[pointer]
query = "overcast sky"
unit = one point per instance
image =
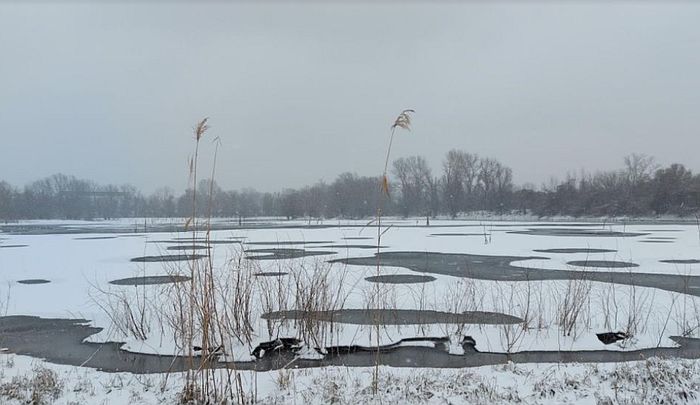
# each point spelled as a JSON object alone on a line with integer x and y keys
{"x": 302, "y": 92}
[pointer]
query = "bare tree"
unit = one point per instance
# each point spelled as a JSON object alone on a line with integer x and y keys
{"x": 639, "y": 168}
{"x": 453, "y": 178}
{"x": 416, "y": 185}
{"x": 495, "y": 184}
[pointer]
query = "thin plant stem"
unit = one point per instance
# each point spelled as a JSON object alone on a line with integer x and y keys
{"x": 402, "y": 121}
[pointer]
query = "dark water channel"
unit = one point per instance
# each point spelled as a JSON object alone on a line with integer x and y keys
{"x": 61, "y": 341}
{"x": 500, "y": 268}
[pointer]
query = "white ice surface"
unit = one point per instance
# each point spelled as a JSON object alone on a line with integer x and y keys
{"x": 80, "y": 271}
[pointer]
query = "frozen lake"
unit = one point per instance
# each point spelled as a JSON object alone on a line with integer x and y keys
{"x": 626, "y": 279}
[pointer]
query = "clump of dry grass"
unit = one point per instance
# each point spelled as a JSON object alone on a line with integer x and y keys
{"x": 43, "y": 386}
{"x": 129, "y": 314}
{"x": 462, "y": 296}
{"x": 316, "y": 290}
{"x": 274, "y": 296}
{"x": 572, "y": 304}
{"x": 338, "y": 386}
{"x": 225, "y": 307}
{"x": 216, "y": 308}
{"x": 507, "y": 297}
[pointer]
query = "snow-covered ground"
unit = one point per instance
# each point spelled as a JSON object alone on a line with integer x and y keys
{"x": 23, "y": 379}
{"x": 79, "y": 267}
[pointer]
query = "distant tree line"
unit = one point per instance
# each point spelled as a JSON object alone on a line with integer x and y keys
{"x": 466, "y": 183}
{"x": 640, "y": 188}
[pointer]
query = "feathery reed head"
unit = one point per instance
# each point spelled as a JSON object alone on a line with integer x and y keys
{"x": 385, "y": 185}
{"x": 201, "y": 128}
{"x": 403, "y": 120}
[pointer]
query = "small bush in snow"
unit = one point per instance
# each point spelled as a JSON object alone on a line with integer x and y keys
{"x": 42, "y": 387}
{"x": 655, "y": 381}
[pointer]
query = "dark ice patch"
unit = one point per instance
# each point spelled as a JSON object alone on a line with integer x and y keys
{"x": 400, "y": 279}
{"x": 33, "y": 281}
{"x": 608, "y": 264}
{"x": 281, "y": 253}
{"x": 150, "y": 280}
{"x": 166, "y": 258}
{"x": 574, "y": 250}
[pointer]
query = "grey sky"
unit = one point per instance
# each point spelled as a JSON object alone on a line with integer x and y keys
{"x": 302, "y": 92}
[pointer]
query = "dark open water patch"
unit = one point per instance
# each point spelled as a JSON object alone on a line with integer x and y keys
{"x": 12, "y": 246}
{"x": 435, "y": 357}
{"x": 96, "y": 238}
{"x": 655, "y": 241}
{"x": 271, "y": 274}
{"x": 395, "y": 317}
{"x": 456, "y": 234}
{"x": 188, "y": 247}
{"x": 150, "y": 280}
{"x": 189, "y": 239}
{"x": 349, "y": 246}
{"x": 33, "y": 281}
{"x": 681, "y": 261}
{"x": 290, "y": 242}
{"x": 609, "y": 264}
{"x": 548, "y": 224}
{"x": 62, "y": 341}
{"x": 204, "y": 240}
{"x": 166, "y": 258}
{"x": 499, "y": 268}
{"x": 574, "y": 250}
{"x": 282, "y": 253}
{"x": 577, "y": 232}
{"x": 198, "y": 241}
{"x": 400, "y": 279}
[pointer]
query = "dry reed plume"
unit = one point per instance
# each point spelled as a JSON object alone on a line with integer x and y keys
{"x": 403, "y": 121}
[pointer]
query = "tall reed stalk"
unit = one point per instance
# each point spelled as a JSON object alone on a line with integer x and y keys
{"x": 199, "y": 131}
{"x": 403, "y": 120}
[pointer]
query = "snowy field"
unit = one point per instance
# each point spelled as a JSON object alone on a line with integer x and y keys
{"x": 79, "y": 259}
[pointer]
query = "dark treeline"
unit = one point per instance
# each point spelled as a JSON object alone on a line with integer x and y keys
{"x": 465, "y": 183}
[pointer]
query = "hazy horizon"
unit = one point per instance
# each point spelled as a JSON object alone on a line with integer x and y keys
{"x": 303, "y": 92}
